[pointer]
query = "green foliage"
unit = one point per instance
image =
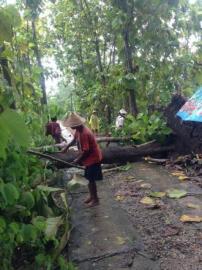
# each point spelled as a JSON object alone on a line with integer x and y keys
{"x": 163, "y": 45}
{"x": 29, "y": 216}
{"x": 9, "y": 18}
{"x": 28, "y": 210}
{"x": 146, "y": 127}
{"x": 105, "y": 50}
{"x": 9, "y": 120}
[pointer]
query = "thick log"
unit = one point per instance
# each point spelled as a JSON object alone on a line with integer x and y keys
{"x": 98, "y": 139}
{"x": 113, "y": 139}
{"x": 115, "y": 154}
{"x": 188, "y": 134}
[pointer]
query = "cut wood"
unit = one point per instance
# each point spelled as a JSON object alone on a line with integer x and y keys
{"x": 157, "y": 160}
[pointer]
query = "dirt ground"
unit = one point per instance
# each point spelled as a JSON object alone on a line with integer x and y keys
{"x": 123, "y": 233}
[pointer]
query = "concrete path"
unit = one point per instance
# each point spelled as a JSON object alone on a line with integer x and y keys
{"x": 103, "y": 237}
{"x": 119, "y": 235}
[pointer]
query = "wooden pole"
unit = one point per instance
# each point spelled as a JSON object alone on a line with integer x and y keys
{"x": 55, "y": 159}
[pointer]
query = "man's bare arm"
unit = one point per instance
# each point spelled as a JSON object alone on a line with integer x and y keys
{"x": 67, "y": 147}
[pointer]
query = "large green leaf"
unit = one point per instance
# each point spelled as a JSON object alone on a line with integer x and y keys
{"x": 14, "y": 127}
{"x": 39, "y": 222}
{"x": 176, "y": 193}
{"x": 52, "y": 225}
{"x": 29, "y": 232}
{"x": 27, "y": 200}
{"x": 9, "y": 193}
{"x": 4, "y": 137}
{"x": 2, "y": 224}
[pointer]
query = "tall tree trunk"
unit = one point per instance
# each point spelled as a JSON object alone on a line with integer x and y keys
{"x": 129, "y": 69}
{"x": 95, "y": 39}
{"x": 6, "y": 75}
{"x": 38, "y": 58}
{"x": 99, "y": 60}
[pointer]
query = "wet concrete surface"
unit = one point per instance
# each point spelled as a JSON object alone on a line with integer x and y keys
{"x": 125, "y": 234}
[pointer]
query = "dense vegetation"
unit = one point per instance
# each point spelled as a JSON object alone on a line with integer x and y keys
{"x": 109, "y": 54}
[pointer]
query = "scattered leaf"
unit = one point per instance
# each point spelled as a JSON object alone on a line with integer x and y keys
{"x": 139, "y": 181}
{"x": 146, "y": 185}
{"x": 119, "y": 198}
{"x": 183, "y": 177}
{"x": 195, "y": 206}
{"x": 188, "y": 218}
{"x": 52, "y": 225}
{"x": 148, "y": 201}
{"x": 157, "y": 194}
{"x": 176, "y": 193}
{"x": 130, "y": 177}
{"x": 126, "y": 167}
{"x": 177, "y": 173}
{"x": 120, "y": 240}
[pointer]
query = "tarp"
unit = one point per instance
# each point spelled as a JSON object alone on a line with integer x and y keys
{"x": 192, "y": 109}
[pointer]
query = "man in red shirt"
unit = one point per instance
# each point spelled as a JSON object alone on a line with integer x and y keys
{"x": 53, "y": 129}
{"x": 89, "y": 156}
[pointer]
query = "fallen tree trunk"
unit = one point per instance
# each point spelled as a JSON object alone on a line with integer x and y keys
{"x": 115, "y": 154}
{"x": 98, "y": 139}
{"x": 113, "y": 139}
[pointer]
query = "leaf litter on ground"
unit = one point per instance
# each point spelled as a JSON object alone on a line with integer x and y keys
{"x": 176, "y": 193}
{"x": 181, "y": 175}
{"x": 191, "y": 218}
{"x": 146, "y": 185}
{"x": 157, "y": 194}
{"x": 151, "y": 203}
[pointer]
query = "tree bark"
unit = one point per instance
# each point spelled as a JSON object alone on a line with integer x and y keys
{"x": 129, "y": 59}
{"x": 113, "y": 139}
{"x": 188, "y": 134}
{"x": 38, "y": 58}
{"x": 7, "y": 77}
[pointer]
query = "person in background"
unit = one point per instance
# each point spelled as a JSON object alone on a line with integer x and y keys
{"x": 89, "y": 155}
{"x": 53, "y": 129}
{"x": 120, "y": 119}
{"x": 94, "y": 122}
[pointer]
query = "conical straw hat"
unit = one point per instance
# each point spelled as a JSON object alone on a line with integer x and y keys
{"x": 74, "y": 120}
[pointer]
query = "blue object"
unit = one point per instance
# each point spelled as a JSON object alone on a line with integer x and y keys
{"x": 192, "y": 109}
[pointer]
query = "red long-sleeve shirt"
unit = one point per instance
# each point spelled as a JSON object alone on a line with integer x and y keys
{"x": 88, "y": 144}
